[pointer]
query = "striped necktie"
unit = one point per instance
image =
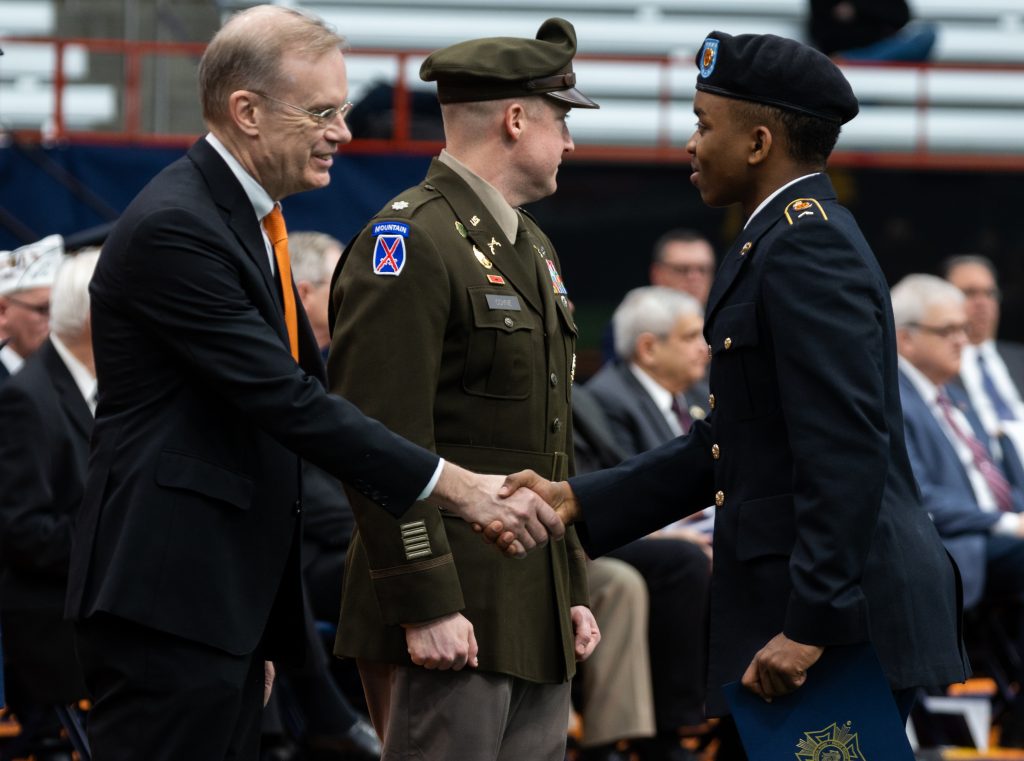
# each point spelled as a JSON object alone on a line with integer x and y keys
{"x": 993, "y": 476}
{"x": 273, "y": 223}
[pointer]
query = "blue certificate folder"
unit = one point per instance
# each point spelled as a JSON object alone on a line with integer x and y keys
{"x": 845, "y": 711}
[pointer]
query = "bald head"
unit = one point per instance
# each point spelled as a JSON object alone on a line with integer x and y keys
{"x": 247, "y": 54}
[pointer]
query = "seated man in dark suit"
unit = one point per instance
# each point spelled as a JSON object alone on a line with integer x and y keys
{"x": 655, "y": 388}
{"x": 969, "y": 482}
{"x": 46, "y": 415}
{"x": 991, "y": 371}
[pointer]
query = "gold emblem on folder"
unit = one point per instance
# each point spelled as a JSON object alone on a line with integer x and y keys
{"x": 833, "y": 743}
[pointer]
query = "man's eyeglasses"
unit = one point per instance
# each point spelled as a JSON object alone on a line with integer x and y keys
{"x": 43, "y": 310}
{"x": 322, "y": 118}
{"x": 942, "y": 331}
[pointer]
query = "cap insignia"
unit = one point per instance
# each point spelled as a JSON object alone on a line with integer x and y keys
{"x": 708, "y": 57}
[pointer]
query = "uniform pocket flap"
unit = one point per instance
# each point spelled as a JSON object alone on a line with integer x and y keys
{"x": 181, "y": 471}
{"x": 766, "y": 527}
{"x": 734, "y": 327}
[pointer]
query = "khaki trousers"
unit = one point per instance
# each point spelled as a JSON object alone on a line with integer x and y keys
{"x": 618, "y": 700}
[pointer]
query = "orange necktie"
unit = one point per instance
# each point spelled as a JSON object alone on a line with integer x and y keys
{"x": 273, "y": 223}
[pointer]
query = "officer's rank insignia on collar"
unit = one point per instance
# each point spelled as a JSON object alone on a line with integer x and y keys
{"x": 833, "y": 743}
{"x": 481, "y": 258}
{"x": 389, "y": 249}
{"x": 804, "y": 207}
{"x": 399, "y": 205}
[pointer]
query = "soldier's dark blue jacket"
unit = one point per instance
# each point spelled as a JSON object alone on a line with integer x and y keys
{"x": 819, "y": 532}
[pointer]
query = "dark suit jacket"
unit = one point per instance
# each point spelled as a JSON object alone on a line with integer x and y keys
{"x": 819, "y": 532}
{"x": 1013, "y": 355}
{"x": 945, "y": 487}
{"x": 475, "y": 361}
{"x": 189, "y": 523}
{"x": 43, "y": 452}
{"x": 635, "y": 419}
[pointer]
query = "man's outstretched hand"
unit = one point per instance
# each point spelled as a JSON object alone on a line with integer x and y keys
{"x": 525, "y": 519}
{"x": 557, "y": 494}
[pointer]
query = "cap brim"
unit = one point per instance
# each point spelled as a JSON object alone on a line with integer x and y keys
{"x": 573, "y": 97}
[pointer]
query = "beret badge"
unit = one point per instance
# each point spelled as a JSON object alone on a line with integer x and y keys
{"x": 708, "y": 57}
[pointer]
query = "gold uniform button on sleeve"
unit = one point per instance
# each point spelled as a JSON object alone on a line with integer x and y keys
{"x": 715, "y": 451}
{"x": 711, "y": 401}
{"x": 728, "y": 343}
{"x": 719, "y": 498}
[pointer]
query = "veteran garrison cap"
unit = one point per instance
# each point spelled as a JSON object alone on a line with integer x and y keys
{"x": 776, "y": 71}
{"x": 493, "y": 68}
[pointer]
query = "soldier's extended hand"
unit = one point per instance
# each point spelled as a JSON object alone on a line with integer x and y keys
{"x": 444, "y": 643}
{"x": 557, "y": 494}
{"x": 780, "y": 667}
{"x": 526, "y": 520}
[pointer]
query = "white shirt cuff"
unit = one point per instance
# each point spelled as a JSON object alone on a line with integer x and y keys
{"x": 429, "y": 488}
{"x": 1008, "y": 523}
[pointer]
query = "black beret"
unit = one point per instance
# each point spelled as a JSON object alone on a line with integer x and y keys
{"x": 777, "y": 71}
{"x": 493, "y": 68}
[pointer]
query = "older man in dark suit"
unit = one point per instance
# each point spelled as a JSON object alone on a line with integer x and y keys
{"x": 46, "y": 417}
{"x": 185, "y": 568}
{"x": 820, "y": 536}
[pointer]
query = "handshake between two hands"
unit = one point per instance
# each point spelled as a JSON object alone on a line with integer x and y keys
{"x": 517, "y": 513}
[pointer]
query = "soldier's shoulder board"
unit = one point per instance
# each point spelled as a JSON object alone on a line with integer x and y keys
{"x": 407, "y": 203}
{"x": 804, "y": 208}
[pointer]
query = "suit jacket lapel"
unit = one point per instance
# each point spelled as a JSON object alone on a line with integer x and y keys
{"x": 74, "y": 406}
{"x": 655, "y": 419}
{"x": 486, "y": 236}
{"x": 238, "y": 214}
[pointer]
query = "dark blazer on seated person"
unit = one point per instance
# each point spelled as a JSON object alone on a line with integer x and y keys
{"x": 945, "y": 488}
{"x": 635, "y": 420}
{"x": 46, "y": 425}
{"x": 191, "y": 515}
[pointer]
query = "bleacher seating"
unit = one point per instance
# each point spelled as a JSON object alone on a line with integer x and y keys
{"x": 635, "y": 111}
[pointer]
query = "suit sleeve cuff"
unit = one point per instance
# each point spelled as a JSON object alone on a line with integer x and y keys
{"x": 432, "y": 483}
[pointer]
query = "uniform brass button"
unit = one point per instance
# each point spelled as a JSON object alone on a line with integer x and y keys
{"x": 554, "y": 380}
{"x": 711, "y": 401}
{"x": 508, "y": 322}
{"x": 719, "y": 498}
{"x": 715, "y": 451}
{"x": 728, "y": 343}
{"x": 556, "y": 425}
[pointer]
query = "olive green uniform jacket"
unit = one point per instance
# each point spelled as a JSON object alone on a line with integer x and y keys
{"x": 461, "y": 341}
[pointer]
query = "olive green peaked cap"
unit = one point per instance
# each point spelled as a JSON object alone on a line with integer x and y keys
{"x": 493, "y": 68}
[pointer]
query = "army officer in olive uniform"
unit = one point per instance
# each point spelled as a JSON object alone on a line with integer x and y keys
{"x": 821, "y": 539}
{"x": 451, "y": 324}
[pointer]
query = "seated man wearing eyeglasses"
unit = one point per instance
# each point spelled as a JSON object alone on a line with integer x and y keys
{"x": 25, "y": 278}
{"x": 970, "y": 482}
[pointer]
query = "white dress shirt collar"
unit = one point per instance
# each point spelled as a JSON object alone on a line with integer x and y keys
{"x": 660, "y": 395}
{"x": 11, "y": 359}
{"x": 766, "y": 201}
{"x": 81, "y": 375}
{"x": 262, "y": 203}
